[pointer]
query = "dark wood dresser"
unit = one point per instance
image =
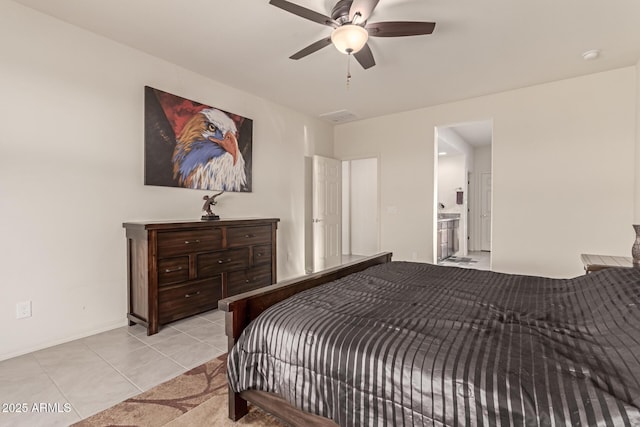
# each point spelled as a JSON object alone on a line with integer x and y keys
{"x": 180, "y": 268}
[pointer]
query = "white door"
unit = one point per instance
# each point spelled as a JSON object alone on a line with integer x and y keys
{"x": 485, "y": 211}
{"x": 327, "y": 211}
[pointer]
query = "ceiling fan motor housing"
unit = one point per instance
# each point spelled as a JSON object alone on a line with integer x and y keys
{"x": 340, "y": 11}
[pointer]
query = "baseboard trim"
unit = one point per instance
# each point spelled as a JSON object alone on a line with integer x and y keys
{"x": 106, "y": 327}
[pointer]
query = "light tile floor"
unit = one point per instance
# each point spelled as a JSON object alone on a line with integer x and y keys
{"x": 479, "y": 260}
{"x": 82, "y": 377}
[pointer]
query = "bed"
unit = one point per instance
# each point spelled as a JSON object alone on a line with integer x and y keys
{"x": 377, "y": 342}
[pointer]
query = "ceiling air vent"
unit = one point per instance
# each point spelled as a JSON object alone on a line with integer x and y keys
{"x": 337, "y": 117}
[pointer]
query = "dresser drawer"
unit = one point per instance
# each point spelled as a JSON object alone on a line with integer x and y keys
{"x": 213, "y": 263}
{"x": 181, "y": 242}
{"x": 176, "y": 302}
{"x": 248, "y": 280}
{"x": 262, "y": 254}
{"x": 244, "y": 236}
{"x": 173, "y": 270}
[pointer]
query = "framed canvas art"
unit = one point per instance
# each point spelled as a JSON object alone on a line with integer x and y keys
{"x": 191, "y": 145}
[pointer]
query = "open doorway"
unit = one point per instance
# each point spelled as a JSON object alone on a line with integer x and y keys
{"x": 360, "y": 219}
{"x": 463, "y": 191}
{"x": 354, "y": 234}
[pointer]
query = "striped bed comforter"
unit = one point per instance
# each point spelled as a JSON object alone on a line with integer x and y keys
{"x": 418, "y": 344}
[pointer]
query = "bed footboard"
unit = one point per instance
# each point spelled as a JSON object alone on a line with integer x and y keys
{"x": 241, "y": 309}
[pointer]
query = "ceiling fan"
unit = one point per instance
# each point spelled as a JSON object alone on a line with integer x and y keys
{"x": 351, "y": 29}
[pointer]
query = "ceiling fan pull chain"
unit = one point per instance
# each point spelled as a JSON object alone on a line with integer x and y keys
{"x": 348, "y": 70}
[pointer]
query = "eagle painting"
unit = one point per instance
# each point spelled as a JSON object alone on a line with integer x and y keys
{"x": 192, "y": 145}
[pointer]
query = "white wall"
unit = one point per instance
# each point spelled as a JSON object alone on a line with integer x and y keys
{"x": 482, "y": 159}
{"x": 563, "y": 171}
{"x": 71, "y": 171}
{"x": 636, "y": 216}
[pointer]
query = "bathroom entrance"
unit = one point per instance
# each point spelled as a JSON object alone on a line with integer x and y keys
{"x": 462, "y": 229}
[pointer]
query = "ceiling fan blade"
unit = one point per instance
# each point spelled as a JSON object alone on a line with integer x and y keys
{"x": 365, "y": 57}
{"x": 400, "y": 28}
{"x": 304, "y": 12}
{"x": 311, "y": 48}
{"x": 364, "y": 7}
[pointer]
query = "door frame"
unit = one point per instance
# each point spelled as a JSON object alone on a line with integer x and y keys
{"x": 481, "y": 234}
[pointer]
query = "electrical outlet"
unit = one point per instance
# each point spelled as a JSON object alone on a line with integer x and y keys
{"x": 23, "y": 309}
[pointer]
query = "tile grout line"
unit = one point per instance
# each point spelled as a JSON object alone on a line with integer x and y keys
{"x": 168, "y": 356}
{"x": 57, "y": 386}
{"x": 116, "y": 369}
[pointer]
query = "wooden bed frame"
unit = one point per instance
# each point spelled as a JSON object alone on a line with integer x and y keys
{"x": 241, "y": 309}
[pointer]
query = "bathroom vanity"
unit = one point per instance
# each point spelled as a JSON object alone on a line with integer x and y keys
{"x": 448, "y": 236}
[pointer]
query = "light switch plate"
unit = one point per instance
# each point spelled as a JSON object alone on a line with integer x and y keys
{"x": 23, "y": 309}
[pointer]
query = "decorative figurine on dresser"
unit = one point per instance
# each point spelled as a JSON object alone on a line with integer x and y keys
{"x": 180, "y": 268}
{"x": 207, "y": 213}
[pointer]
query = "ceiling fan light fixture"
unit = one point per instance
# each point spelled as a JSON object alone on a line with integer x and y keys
{"x": 349, "y": 38}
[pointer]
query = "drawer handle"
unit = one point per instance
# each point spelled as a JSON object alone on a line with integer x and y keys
{"x": 222, "y": 261}
{"x": 168, "y": 270}
{"x": 259, "y": 254}
{"x": 190, "y": 295}
{"x": 248, "y": 236}
{"x": 188, "y": 242}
